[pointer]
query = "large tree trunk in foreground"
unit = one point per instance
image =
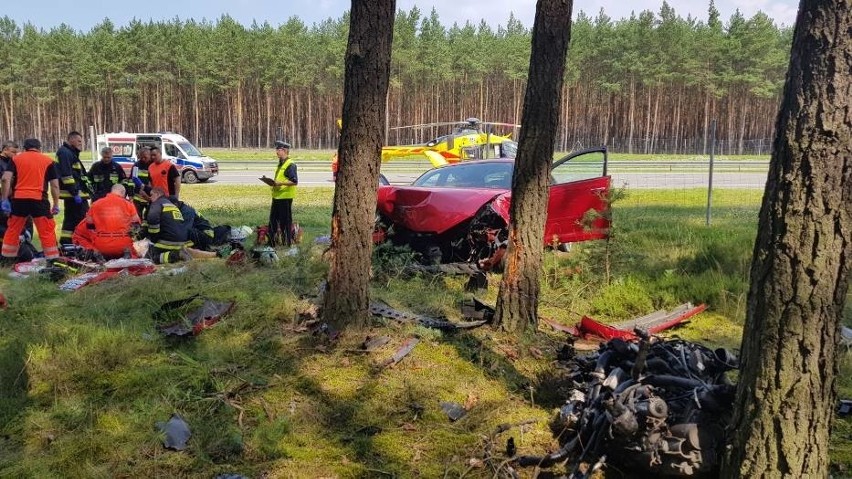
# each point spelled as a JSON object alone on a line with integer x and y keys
{"x": 365, "y": 93}
{"x": 800, "y": 271}
{"x": 517, "y": 302}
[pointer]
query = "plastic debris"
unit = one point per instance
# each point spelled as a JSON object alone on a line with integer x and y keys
{"x": 177, "y": 433}
{"x": 193, "y": 323}
{"x": 453, "y": 410}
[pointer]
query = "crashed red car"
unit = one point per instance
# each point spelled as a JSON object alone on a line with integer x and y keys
{"x": 460, "y": 212}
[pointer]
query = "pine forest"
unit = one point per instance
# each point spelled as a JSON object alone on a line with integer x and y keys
{"x": 648, "y": 83}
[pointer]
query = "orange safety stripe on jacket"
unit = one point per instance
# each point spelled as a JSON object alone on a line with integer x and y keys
{"x": 31, "y": 175}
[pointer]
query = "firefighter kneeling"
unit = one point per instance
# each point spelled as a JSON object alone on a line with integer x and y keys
{"x": 106, "y": 230}
{"x": 167, "y": 230}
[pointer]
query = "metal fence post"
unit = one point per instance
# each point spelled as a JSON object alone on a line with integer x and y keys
{"x": 710, "y": 175}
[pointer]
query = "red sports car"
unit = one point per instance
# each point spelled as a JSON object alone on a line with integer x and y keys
{"x": 460, "y": 212}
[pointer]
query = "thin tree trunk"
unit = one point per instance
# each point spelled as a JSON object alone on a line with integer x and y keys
{"x": 268, "y": 118}
{"x": 365, "y": 93}
{"x": 802, "y": 257}
{"x": 517, "y": 300}
{"x": 195, "y": 112}
{"x": 631, "y": 114}
{"x": 239, "y": 112}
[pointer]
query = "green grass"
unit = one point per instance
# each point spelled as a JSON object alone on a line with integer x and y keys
{"x": 84, "y": 376}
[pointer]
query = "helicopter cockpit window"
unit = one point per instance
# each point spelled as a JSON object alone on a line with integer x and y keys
{"x": 508, "y": 149}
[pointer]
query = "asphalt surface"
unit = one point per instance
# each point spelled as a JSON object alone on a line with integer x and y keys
{"x": 651, "y": 176}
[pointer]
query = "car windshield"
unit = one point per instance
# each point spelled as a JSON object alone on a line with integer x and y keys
{"x": 189, "y": 149}
{"x": 469, "y": 175}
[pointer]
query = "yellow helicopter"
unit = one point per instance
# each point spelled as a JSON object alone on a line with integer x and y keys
{"x": 470, "y": 139}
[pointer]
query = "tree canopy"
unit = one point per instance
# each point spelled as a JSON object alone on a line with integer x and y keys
{"x": 648, "y": 80}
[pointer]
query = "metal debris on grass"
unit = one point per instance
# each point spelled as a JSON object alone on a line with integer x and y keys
{"x": 400, "y": 353}
{"x": 652, "y": 405}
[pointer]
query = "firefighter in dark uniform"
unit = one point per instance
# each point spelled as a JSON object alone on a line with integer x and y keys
{"x": 9, "y": 150}
{"x": 198, "y": 229}
{"x": 166, "y": 229}
{"x": 106, "y": 173}
{"x": 74, "y": 189}
{"x": 142, "y": 182}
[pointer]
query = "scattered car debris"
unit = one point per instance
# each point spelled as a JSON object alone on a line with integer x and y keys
{"x": 374, "y": 342}
{"x": 845, "y": 407}
{"x": 476, "y": 310}
{"x": 194, "y": 322}
{"x": 385, "y": 311}
{"x": 453, "y": 410}
{"x": 177, "y": 433}
{"x": 647, "y": 404}
{"x": 651, "y": 323}
{"x": 400, "y": 353}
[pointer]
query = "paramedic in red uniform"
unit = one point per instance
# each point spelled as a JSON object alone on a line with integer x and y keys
{"x": 24, "y": 195}
{"x": 108, "y": 224}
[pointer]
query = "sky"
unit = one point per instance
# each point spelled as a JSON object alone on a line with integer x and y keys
{"x": 83, "y": 14}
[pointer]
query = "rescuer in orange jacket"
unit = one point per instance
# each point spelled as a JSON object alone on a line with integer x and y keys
{"x": 108, "y": 225}
{"x": 24, "y": 195}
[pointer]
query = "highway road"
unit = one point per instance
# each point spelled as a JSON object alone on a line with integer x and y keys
{"x": 648, "y": 176}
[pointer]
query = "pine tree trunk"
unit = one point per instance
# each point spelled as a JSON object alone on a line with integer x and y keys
{"x": 365, "y": 93}
{"x": 517, "y": 301}
{"x": 802, "y": 257}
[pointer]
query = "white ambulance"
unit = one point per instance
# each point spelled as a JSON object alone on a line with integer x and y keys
{"x": 193, "y": 165}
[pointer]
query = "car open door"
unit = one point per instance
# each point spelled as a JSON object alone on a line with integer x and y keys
{"x": 579, "y": 188}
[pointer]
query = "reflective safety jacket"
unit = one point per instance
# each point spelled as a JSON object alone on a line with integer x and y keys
{"x": 166, "y": 225}
{"x": 32, "y": 172}
{"x": 72, "y": 174}
{"x": 286, "y": 171}
{"x": 141, "y": 171}
{"x": 104, "y": 175}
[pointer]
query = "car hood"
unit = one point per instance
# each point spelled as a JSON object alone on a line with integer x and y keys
{"x": 432, "y": 210}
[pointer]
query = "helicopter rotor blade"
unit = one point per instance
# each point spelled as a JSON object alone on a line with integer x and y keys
{"x": 425, "y": 125}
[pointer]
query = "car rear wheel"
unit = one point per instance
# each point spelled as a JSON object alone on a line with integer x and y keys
{"x": 190, "y": 177}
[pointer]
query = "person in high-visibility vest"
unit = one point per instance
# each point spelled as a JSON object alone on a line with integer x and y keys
{"x": 142, "y": 182}
{"x": 108, "y": 225}
{"x": 283, "y": 188}
{"x": 24, "y": 195}
{"x": 163, "y": 174}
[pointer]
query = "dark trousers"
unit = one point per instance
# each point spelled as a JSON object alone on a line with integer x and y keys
{"x": 142, "y": 210}
{"x": 281, "y": 222}
{"x": 74, "y": 214}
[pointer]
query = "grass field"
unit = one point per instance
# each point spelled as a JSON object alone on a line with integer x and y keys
{"x": 85, "y": 376}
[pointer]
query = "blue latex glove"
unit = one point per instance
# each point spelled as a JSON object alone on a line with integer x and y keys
{"x": 78, "y": 199}
{"x": 55, "y": 210}
{"x": 137, "y": 182}
{"x": 6, "y": 206}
